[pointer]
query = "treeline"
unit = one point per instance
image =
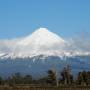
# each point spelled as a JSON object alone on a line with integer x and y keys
{"x": 65, "y": 77}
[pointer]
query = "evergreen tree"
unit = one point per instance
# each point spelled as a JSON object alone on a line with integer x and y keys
{"x": 1, "y": 80}
{"x": 88, "y": 78}
{"x": 83, "y": 78}
{"x": 27, "y": 79}
{"x": 51, "y": 77}
{"x": 67, "y": 77}
{"x": 17, "y": 78}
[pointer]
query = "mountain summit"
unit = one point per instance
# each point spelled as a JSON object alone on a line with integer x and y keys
{"x": 42, "y": 37}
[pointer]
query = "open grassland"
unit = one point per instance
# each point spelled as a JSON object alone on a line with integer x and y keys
{"x": 44, "y": 88}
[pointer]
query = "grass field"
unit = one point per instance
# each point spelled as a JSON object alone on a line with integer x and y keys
{"x": 44, "y": 88}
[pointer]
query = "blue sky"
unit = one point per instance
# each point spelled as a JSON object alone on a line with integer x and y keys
{"x": 65, "y": 17}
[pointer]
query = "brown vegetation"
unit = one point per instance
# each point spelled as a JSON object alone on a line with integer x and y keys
{"x": 50, "y": 82}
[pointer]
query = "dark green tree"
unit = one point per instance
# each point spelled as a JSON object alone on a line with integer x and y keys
{"x": 67, "y": 77}
{"x": 51, "y": 77}
{"x": 17, "y": 78}
{"x": 88, "y": 78}
{"x": 83, "y": 78}
{"x": 1, "y": 80}
{"x": 27, "y": 79}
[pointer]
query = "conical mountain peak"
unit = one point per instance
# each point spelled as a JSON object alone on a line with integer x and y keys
{"x": 42, "y": 36}
{"x": 40, "y": 41}
{"x": 42, "y": 31}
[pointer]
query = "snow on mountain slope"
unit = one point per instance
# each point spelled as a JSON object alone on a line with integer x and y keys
{"x": 42, "y": 37}
{"x": 41, "y": 42}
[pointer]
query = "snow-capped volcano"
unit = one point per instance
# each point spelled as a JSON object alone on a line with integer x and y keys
{"x": 40, "y": 42}
{"x": 36, "y": 53}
